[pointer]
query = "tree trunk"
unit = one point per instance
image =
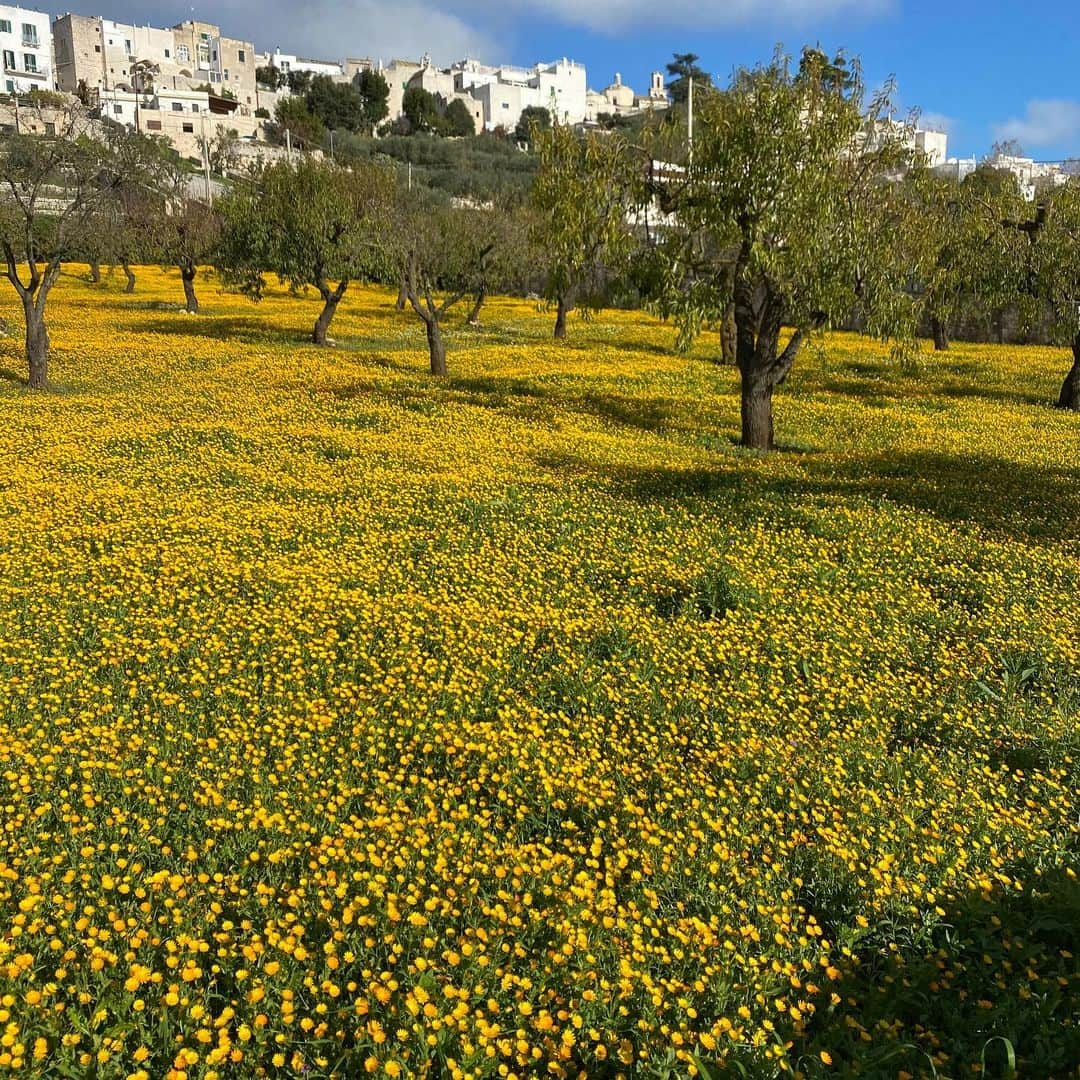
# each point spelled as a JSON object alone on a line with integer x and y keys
{"x": 999, "y": 326}
{"x": 37, "y": 346}
{"x": 728, "y": 336}
{"x": 436, "y": 346}
{"x": 757, "y": 414}
{"x": 1070, "y": 388}
{"x": 402, "y": 294}
{"x": 941, "y": 334}
{"x": 130, "y": 275}
{"x": 95, "y": 272}
{"x": 561, "y": 311}
{"x": 474, "y": 315}
{"x": 191, "y": 301}
{"x": 331, "y": 299}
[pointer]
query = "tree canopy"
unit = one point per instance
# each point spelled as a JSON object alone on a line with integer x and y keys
{"x": 311, "y": 223}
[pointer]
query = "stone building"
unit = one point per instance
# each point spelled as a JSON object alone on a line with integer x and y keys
{"x": 95, "y": 54}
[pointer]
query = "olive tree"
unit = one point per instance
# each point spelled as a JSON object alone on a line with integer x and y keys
{"x": 585, "y": 187}
{"x": 52, "y": 190}
{"x": 311, "y": 223}
{"x": 785, "y": 197}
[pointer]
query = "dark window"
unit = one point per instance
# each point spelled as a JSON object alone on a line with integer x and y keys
{"x": 97, "y": 48}
{"x": 166, "y": 54}
{"x": 189, "y": 128}
{"x": 241, "y": 56}
{"x": 153, "y": 125}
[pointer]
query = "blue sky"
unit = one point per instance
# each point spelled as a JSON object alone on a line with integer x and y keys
{"x": 982, "y": 70}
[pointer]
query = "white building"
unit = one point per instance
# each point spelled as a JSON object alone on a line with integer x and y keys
{"x": 288, "y": 62}
{"x": 26, "y": 41}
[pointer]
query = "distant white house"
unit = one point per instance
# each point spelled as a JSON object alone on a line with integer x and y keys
{"x": 27, "y": 46}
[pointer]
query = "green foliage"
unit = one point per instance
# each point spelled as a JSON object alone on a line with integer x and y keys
{"x": 457, "y": 121}
{"x": 298, "y": 81}
{"x": 305, "y": 129}
{"x": 584, "y": 186}
{"x": 420, "y": 109}
{"x": 375, "y": 95}
{"x": 785, "y": 211}
{"x": 309, "y": 223}
{"x": 532, "y": 116}
{"x": 479, "y": 167}
{"x": 682, "y": 69}
{"x": 337, "y": 106}
{"x": 270, "y": 76}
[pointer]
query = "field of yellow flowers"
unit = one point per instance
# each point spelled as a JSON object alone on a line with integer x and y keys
{"x": 520, "y": 724}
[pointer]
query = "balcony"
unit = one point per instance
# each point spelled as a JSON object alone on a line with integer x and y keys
{"x": 30, "y": 41}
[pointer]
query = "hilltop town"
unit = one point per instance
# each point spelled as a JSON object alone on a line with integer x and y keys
{"x": 193, "y": 84}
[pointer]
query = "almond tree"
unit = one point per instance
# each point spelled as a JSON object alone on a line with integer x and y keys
{"x": 443, "y": 254}
{"x": 585, "y": 189}
{"x": 311, "y": 223}
{"x": 52, "y": 189}
{"x": 785, "y": 192}
{"x": 1051, "y": 257}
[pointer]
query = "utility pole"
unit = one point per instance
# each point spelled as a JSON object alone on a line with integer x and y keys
{"x": 410, "y": 176}
{"x": 206, "y": 160}
{"x": 288, "y": 145}
{"x": 690, "y": 120}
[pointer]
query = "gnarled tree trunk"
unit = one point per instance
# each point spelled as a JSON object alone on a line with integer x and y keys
{"x": 940, "y": 331}
{"x": 1070, "y": 388}
{"x": 474, "y": 315}
{"x": 37, "y": 344}
{"x": 95, "y": 272}
{"x": 563, "y": 307}
{"x": 130, "y": 275}
{"x": 728, "y": 336}
{"x": 191, "y": 301}
{"x": 436, "y": 346}
{"x": 402, "y": 294}
{"x": 759, "y": 314}
{"x": 331, "y": 298}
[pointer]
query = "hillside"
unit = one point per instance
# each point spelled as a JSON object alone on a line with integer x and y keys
{"x": 527, "y": 703}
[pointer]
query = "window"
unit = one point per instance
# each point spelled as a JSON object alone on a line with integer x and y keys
{"x": 118, "y": 110}
{"x": 241, "y": 56}
{"x": 97, "y": 48}
{"x": 11, "y": 86}
{"x": 177, "y": 106}
{"x": 183, "y": 53}
{"x": 153, "y": 125}
{"x": 9, "y": 60}
{"x": 30, "y": 63}
{"x": 5, "y": 26}
{"x": 194, "y": 106}
{"x": 29, "y": 34}
{"x": 127, "y": 46}
{"x": 166, "y": 54}
{"x": 189, "y": 129}
{"x": 50, "y": 128}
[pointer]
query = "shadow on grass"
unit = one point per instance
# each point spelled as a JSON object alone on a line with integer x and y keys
{"x": 647, "y": 414}
{"x": 1006, "y": 498}
{"x": 999, "y": 967}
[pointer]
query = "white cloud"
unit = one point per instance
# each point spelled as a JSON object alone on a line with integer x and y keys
{"x": 333, "y": 29}
{"x": 451, "y": 29}
{"x": 935, "y": 121}
{"x": 619, "y": 16}
{"x": 1045, "y": 123}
